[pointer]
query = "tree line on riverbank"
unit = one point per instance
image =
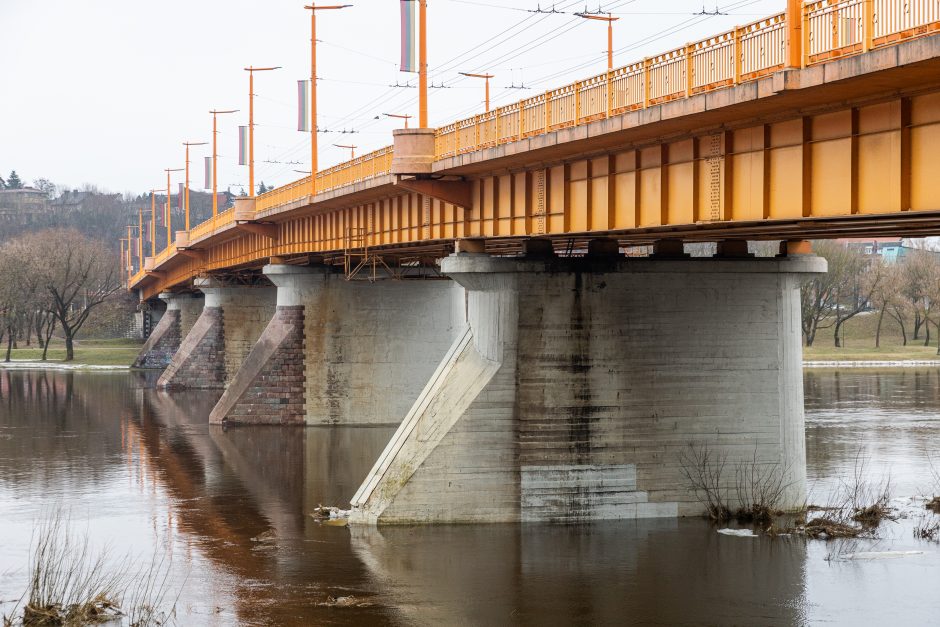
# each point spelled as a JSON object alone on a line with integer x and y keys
{"x": 53, "y": 279}
{"x": 904, "y": 293}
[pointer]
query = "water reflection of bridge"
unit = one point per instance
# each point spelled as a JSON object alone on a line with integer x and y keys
{"x": 226, "y": 486}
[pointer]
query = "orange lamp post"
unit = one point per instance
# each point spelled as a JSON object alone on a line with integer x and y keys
{"x": 251, "y": 124}
{"x": 400, "y": 116}
{"x": 610, "y": 34}
{"x": 123, "y": 258}
{"x": 351, "y": 148}
{"x": 186, "y": 183}
{"x": 140, "y": 237}
{"x": 153, "y": 222}
{"x": 313, "y": 8}
{"x": 130, "y": 253}
{"x": 169, "y": 218}
{"x": 215, "y": 152}
{"x": 484, "y": 76}
{"x": 423, "y": 63}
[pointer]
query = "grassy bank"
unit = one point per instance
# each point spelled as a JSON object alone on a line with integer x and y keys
{"x": 859, "y": 342}
{"x": 87, "y": 352}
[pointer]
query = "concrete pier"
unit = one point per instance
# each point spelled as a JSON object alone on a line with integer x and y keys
{"x": 343, "y": 352}
{"x": 176, "y": 322}
{"x": 578, "y": 384}
{"x": 214, "y": 348}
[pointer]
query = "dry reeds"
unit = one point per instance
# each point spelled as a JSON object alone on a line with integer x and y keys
{"x": 758, "y": 486}
{"x": 856, "y": 509}
{"x": 70, "y": 584}
{"x": 703, "y": 471}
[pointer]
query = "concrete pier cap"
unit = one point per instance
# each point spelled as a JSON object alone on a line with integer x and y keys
{"x": 459, "y": 266}
{"x": 212, "y": 288}
{"x": 295, "y": 284}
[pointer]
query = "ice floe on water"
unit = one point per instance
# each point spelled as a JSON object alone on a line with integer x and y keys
{"x": 879, "y": 555}
{"x": 739, "y": 533}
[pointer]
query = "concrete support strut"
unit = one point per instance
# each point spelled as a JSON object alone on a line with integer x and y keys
{"x": 220, "y": 339}
{"x": 342, "y": 352}
{"x": 163, "y": 342}
{"x": 578, "y": 385}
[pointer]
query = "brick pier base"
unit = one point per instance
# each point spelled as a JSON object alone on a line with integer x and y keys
{"x": 198, "y": 364}
{"x": 269, "y": 387}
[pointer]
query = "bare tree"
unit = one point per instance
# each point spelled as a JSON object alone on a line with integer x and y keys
{"x": 921, "y": 271}
{"x": 889, "y": 298}
{"x": 829, "y": 300}
{"x": 76, "y": 273}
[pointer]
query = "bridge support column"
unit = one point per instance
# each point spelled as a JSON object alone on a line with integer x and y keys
{"x": 342, "y": 352}
{"x": 163, "y": 342}
{"x": 212, "y": 352}
{"x": 579, "y": 384}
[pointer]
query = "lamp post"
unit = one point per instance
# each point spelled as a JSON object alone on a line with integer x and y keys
{"x": 153, "y": 222}
{"x": 215, "y": 132}
{"x": 130, "y": 253}
{"x": 352, "y": 149}
{"x": 169, "y": 220}
{"x": 140, "y": 237}
{"x": 423, "y": 63}
{"x": 313, "y": 8}
{"x": 400, "y": 116}
{"x": 251, "y": 124}
{"x": 484, "y": 76}
{"x": 610, "y": 34}
{"x": 186, "y": 183}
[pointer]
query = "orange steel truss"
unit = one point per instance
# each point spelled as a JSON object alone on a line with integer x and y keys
{"x": 849, "y": 162}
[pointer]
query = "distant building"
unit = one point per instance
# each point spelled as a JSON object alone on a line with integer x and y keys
{"x": 70, "y": 201}
{"x": 23, "y": 204}
{"x": 891, "y": 249}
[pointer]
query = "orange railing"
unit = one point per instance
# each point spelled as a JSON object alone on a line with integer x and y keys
{"x": 163, "y": 255}
{"x": 137, "y": 277}
{"x": 739, "y": 55}
{"x": 359, "y": 169}
{"x": 830, "y": 29}
{"x": 210, "y": 226}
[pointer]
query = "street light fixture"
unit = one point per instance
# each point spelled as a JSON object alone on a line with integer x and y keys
{"x": 484, "y": 76}
{"x": 169, "y": 217}
{"x": 610, "y": 34}
{"x": 251, "y": 124}
{"x": 352, "y": 149}
{"x": 313, "y": 8}
{"x": 400, "y": 116}
{"x": 215, "y": 134}
{"x": 186, "y": 184}
{"x": 153, "y": 222}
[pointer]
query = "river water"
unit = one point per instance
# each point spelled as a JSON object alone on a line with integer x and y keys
{"x": 140, "y": 471}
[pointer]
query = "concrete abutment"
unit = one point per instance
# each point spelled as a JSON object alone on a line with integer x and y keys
{"x": 579, "y": 384}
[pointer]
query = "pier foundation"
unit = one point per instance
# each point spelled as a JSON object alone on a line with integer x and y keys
{"x": 580, "y": 385}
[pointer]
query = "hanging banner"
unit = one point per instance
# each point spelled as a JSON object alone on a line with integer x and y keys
{"x": 303, "y": 104}
{"x": 208, "y": 181}
{"x": 242, "y": 145}
{"x": 409, "y": 56}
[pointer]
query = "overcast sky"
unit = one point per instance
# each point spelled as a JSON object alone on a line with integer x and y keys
{"x": 106, "y": 91}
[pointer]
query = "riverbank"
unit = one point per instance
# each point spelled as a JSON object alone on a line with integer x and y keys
{"x": 861, "y": 357}
{"x": 95, "y": 354}
{"x": 121, "y": 353}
